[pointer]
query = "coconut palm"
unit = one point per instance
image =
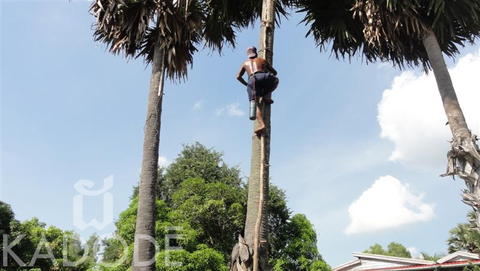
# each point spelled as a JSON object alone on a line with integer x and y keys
{"x": 166, "y": 33}
{"x": 415, "y": 33}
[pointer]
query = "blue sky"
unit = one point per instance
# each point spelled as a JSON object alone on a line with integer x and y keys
{"x": 70, "y": 111}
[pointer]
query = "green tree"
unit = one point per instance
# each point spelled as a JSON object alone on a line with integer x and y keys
{"x": 7, "y": 216}
{"x": 300, "y": 251}
{"x": 398, "y": 250}
{"x": 465, "y": 236}
{"x": 210, "y": 213}
{"x": 215, "y": 209}
{"x": 64, "y": 250}
{"x": 393, "y": 249}
{"x": 376, "y": 249}
{"x": 203, "y": 258}
{"x": 113, "y": 249}
{"x": 435, "y": 257}
{"x": 471, "y": 267}
{"x": 417, "y": 33}
{"x": 197, "y": 161}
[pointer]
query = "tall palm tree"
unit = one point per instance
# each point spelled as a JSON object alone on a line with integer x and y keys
{"x": 417, "y": 32}
{"x": 254, "y": 247}
{"x": 256, "y": 233}
{"x": 251, "y": 253}
{"x": 152, "y": 30}
{"x": 408, "y": 33}
{"x": 165, "y": 33}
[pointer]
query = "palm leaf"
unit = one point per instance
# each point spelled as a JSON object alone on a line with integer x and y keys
{"x": 122, "y": 24}
{"x": 331, "y": 24}
{"x": 397, "y": 28}
{"x": 135, "y": 27}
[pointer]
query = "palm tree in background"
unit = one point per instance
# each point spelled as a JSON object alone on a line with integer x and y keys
{"x": 166, "y": 33}
{"x": 154, "y": 31}
{"x": 416, "y": 33}
{"x": 408, "y": 33}
{"x": 333, "y": 28}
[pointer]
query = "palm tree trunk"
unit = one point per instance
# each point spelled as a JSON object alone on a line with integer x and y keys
{"x": 463, "y": 158}
{"x": 144, "y": 247}
{"x": 256, "y": 234}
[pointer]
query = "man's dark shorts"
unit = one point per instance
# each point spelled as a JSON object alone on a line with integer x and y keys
{"x": 261, "y": 84}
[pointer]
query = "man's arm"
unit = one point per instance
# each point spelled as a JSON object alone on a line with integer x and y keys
{"x": 269, "y": 67}
{"x": 240, "y": 76}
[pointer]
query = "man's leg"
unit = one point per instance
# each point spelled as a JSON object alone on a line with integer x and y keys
{"x": 251, "y": 88}
{"x": 271, "y": 85}
{"x": 261, "y": 123}
{"x": 268, "y": 98}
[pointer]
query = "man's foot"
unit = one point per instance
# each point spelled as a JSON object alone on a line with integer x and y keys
{"x": 259, "y": 131}
{"x": 267, "y": 100}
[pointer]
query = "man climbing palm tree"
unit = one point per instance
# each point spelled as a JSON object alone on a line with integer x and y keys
{"x": 262, "y": 81}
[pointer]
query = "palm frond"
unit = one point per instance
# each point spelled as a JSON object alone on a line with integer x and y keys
{"x": 224, "y": 18}
{"x": 121, "y": 24}
{"x": 177, "y": 30}
{"x": 397, "y": 28}
{"x": 135, "y": 27}
{"x": 331, "y": 24}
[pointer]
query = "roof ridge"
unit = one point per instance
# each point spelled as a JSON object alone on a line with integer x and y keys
{"x": 456, "y": 254}
{"x": 392, "y": 258}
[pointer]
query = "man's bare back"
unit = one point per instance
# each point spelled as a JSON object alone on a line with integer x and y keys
{"x": 254, "y": 65}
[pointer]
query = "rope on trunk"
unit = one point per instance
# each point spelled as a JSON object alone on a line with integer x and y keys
{"x": 256, "y": 243}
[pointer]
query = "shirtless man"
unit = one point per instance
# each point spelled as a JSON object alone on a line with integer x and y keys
{"x": 262, "y": 81}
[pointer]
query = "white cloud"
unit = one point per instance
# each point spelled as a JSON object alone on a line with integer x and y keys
{"x": 198, "y": 105}
{"x": 387, "y": 204}
{"x": 163, "y": 161}
{"x": 411, "y": 114}
{"x": 231, "y": 110}
{"x": 415, "y": 253}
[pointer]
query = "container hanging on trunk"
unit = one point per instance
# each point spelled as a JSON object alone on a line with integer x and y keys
{"x": 253, "y": 110}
